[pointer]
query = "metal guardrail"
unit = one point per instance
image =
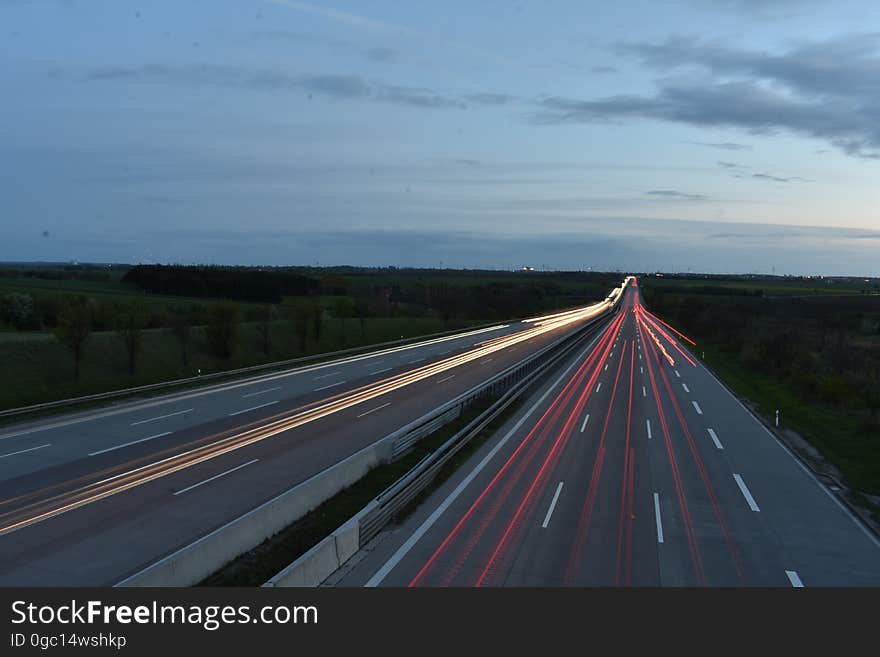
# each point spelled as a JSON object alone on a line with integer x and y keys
{"x": 313, "y": 567}
{"x": 280, "y": 364}
{"x": 396, "y": 497}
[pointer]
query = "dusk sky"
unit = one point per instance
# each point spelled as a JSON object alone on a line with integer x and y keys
{"x": 711, "y": 135}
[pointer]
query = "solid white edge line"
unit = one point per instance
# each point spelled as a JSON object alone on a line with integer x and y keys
{"x": 858, "y": 523}
{"x": 697, "y": 407}
{"x": 552, "y": 506}
{"x": 170, "y": 398}
{"x": 161, "y": 417}
{"x": 133, "y": 442}
{"x": 332, "y": 385}
{"x": 252, "y": 408}
{"x": 657, "y": 517}
{"x": 746, "y": 493}
{"x": 217, "y": 476}
{"x": 795, "y": 579}
{"x": 22, "y": 451}
{"x": 414, "y": 538}
{"x": 584, "y": 425}
{"x": 715, "y": 439}
{"x": 261, "y": 392}
{"x": 378, "y": 408}
{"x": 648, "y": 424}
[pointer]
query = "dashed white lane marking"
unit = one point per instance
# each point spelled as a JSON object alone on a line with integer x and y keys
{"x": 260, "y": 392}
{"x": 332, "y": 385}
{"x": 446, "y": 378}
{"x": 133, "y": 442}
{"x": 648, "y": 424}
{"x": 422, "y": 529}
{"x": 217, "y": 476}
{"x": 715, "y": 439}
{"x": 416, "y": 360}
{"x": 794, "y": 579}
{"x": 606, "y": 367}
{"x": 677, "y": 374}
{"x": 641, "y": 369}
{"x": 373, "y": 410}
{"x": 657, "y": 517}
{"x": 485, "y": 361}
{"x": 644, "y": 392}
{"x": 746, "y": 493}
{"x": 387, "y": 369}
{"x": 552, "y": 506}
{"x": 160, "y": 417}
{"x": 584, "y": 425}
{"x": 253, "y": 408}
{"x": 22, "y": 451}
{"x": 685, "y": 386}
{"x": 697, "y": 407}
{"x": 325, "y": 376}
{"x": 599, "y": 387}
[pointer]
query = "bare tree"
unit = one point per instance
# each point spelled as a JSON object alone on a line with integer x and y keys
{"x": 129, "y": 328}
{"x": 222, "y": 330}
{"x": 301, "y": 316}
{"x": 362, "y": 310}
{"x": 317, "y": 312}
{"x": 182, "y": 329}
{"x": 266, "y": 315}
{"x": 74, "y": 328}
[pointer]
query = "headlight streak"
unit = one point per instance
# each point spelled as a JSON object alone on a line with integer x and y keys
{"x": 43, "y": 507}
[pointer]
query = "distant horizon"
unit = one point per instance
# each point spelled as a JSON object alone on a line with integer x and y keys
{"x": 729, "y": 137}
{"x": 428, "y": 268}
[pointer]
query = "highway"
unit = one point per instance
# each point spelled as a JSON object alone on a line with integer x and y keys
{"x": 93, "y": 497}
{"x": 632, "y": 465}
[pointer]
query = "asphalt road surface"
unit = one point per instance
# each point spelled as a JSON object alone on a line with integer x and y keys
{"x": 90, "y": 498}
{"x": 632, "y": 466}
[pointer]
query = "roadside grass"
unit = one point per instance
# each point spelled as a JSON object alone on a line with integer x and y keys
{"x": 34, "y": 370}
{"x": 836, "y": 433}
{"x": 770, "y": 288}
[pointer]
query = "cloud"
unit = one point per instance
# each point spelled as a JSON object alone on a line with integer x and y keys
{"x": 827, "y": 90}
{"x": 766, "y": 176}
{"x": 724, "y": 146}
{"x": 490, "y": 99}
{"x": 671, "y": 193}
{"x": 374, "y": 54}
{"x": 342, "y": 87}
{"x": 741, "y": 169}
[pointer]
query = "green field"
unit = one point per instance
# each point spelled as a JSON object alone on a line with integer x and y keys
{"x": 815, "y": 358}
{"x": 38, "y": 368}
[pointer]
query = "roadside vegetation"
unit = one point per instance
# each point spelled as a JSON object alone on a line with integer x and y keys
{"x": 71, "y": 330}
{"x": 816, "y": 358}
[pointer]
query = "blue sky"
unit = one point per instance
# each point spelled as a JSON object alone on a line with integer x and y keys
{"x": 712, "y": 135}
